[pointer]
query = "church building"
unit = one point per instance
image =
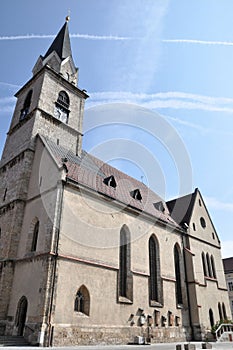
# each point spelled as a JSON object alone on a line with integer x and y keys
{"x": 88, "y": 254}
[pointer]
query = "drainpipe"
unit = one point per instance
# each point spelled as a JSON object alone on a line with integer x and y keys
{"x": 186, "y": 278}
{"x": 54, "y": 255}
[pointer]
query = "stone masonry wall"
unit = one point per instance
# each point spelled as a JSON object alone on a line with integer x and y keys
{"x": 67, "y": 335}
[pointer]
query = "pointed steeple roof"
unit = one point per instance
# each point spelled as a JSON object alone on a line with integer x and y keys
{"x": 61, "y": 44}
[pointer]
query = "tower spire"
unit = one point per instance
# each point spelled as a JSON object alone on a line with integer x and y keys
{"x": 61, "y": 44}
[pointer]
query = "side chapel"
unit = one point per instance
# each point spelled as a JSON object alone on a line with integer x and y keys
{"x": 88, "y": 254}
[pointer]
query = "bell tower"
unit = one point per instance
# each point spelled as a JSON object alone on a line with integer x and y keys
{"x": 49, "y": 104}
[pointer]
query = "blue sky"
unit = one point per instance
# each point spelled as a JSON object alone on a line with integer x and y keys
{"x": 173, "y": 58}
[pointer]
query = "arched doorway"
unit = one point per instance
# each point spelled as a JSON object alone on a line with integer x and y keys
{"x": 21, "y": 315}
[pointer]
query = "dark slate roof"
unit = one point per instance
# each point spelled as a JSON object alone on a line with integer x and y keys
{"x": 181, "y": 208}
{"x": 61, "y": 44}
{"x": 228, "y": 265}
{"x": 91, "y": 172}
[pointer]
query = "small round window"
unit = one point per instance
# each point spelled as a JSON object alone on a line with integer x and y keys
{"x": 203, "y": 223}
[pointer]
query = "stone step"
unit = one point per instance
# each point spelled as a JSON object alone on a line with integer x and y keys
{"x": 9, "y": 340}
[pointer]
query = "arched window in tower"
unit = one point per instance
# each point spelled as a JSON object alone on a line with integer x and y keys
{"x": 203, "y": 257}
{"x": 177, "y": 261}
{"x": 61, "y": 110}
{"x": 26, "y": 106}
{"x": 155, "y": 283}
{"x": 35, "y": 237}
{"x": 211, "y": 316}
{"x": 125, "y": 275}
{"x": 82, "y": 301}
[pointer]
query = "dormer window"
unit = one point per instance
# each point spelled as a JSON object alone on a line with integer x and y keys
{"x": 26, "y": 106}
{"x": 159, "y": 206}
{"x": 136, "y": 194}
{"x": 61, "y": 110}
{"x": 110, "y": 181}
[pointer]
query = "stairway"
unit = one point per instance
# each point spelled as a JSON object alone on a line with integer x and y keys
{"x": 11, "y": 340}
{"x": 224, "y": 333}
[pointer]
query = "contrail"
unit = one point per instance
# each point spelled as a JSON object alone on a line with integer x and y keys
{"x": 81, "y": 36}
{"x": 199, "y": 42}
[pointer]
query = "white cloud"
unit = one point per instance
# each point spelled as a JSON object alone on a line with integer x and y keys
{"x": 8, "y": 85}
{"x": 7, "y": 104}
{"x": 161, "y": 100}
{"x": 199, "y": 42}
{"x": 218, "y": 205}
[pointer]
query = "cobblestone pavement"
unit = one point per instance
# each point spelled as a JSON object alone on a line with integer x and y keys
{"x": 170, "y": 346}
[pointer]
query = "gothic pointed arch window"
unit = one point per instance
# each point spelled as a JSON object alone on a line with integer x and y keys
{"x": 61, "y": 110}
{"x": 26, "y": 106}
{"x": 155, "y": 282}
{"x": 211, "y": 316}
{"x": 203, "y": 257}
{"x": 209, "y": 268}
{"x": 224, "y": 311}
{"x": 82, "y": 301}
{"x": 220, "y": 311}
{"x": 35, "y": 236}
{"x": 213, "y": 266}
{"x": 125, "y": 275}
{"x": 177, "y": 261}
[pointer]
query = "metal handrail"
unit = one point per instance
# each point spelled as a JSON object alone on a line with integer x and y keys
{"x": 223, "y": 327}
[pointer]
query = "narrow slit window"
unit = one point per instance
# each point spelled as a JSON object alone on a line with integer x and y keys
{"x": 4, "y": 196}
{"x": 35, "y": 237}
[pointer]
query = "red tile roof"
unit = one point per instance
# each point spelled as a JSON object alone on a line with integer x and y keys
{"x": 91, "y": 172}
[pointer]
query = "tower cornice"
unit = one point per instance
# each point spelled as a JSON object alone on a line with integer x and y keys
{"x": 65, "y": 82}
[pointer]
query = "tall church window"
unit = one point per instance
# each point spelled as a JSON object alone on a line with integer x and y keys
{"x": 213, "y": 266}
{"x": 210, "y": 274}
{"x": 26, "y": 106}
{"x": 61, "y": 110}
{"x": 211, "y": 316}
{"x": 224, "y": 311}
{"x": 204, "y": 264}
{"x": 220, "y": 312}
{"x": 82, "y": 301}
{"x": 177, "y": 261}
{"x": 125, "y": 275}
{"x": 155, "y": 283}
{"x": 35, "y": 237}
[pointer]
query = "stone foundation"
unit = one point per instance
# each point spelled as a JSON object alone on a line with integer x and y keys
{"x": 71, "y": 336}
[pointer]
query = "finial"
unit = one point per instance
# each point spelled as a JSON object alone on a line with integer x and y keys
{"x": 68, "y": 16}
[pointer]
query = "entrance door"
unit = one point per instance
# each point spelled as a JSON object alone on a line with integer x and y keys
{"x": 21, "y": 315}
